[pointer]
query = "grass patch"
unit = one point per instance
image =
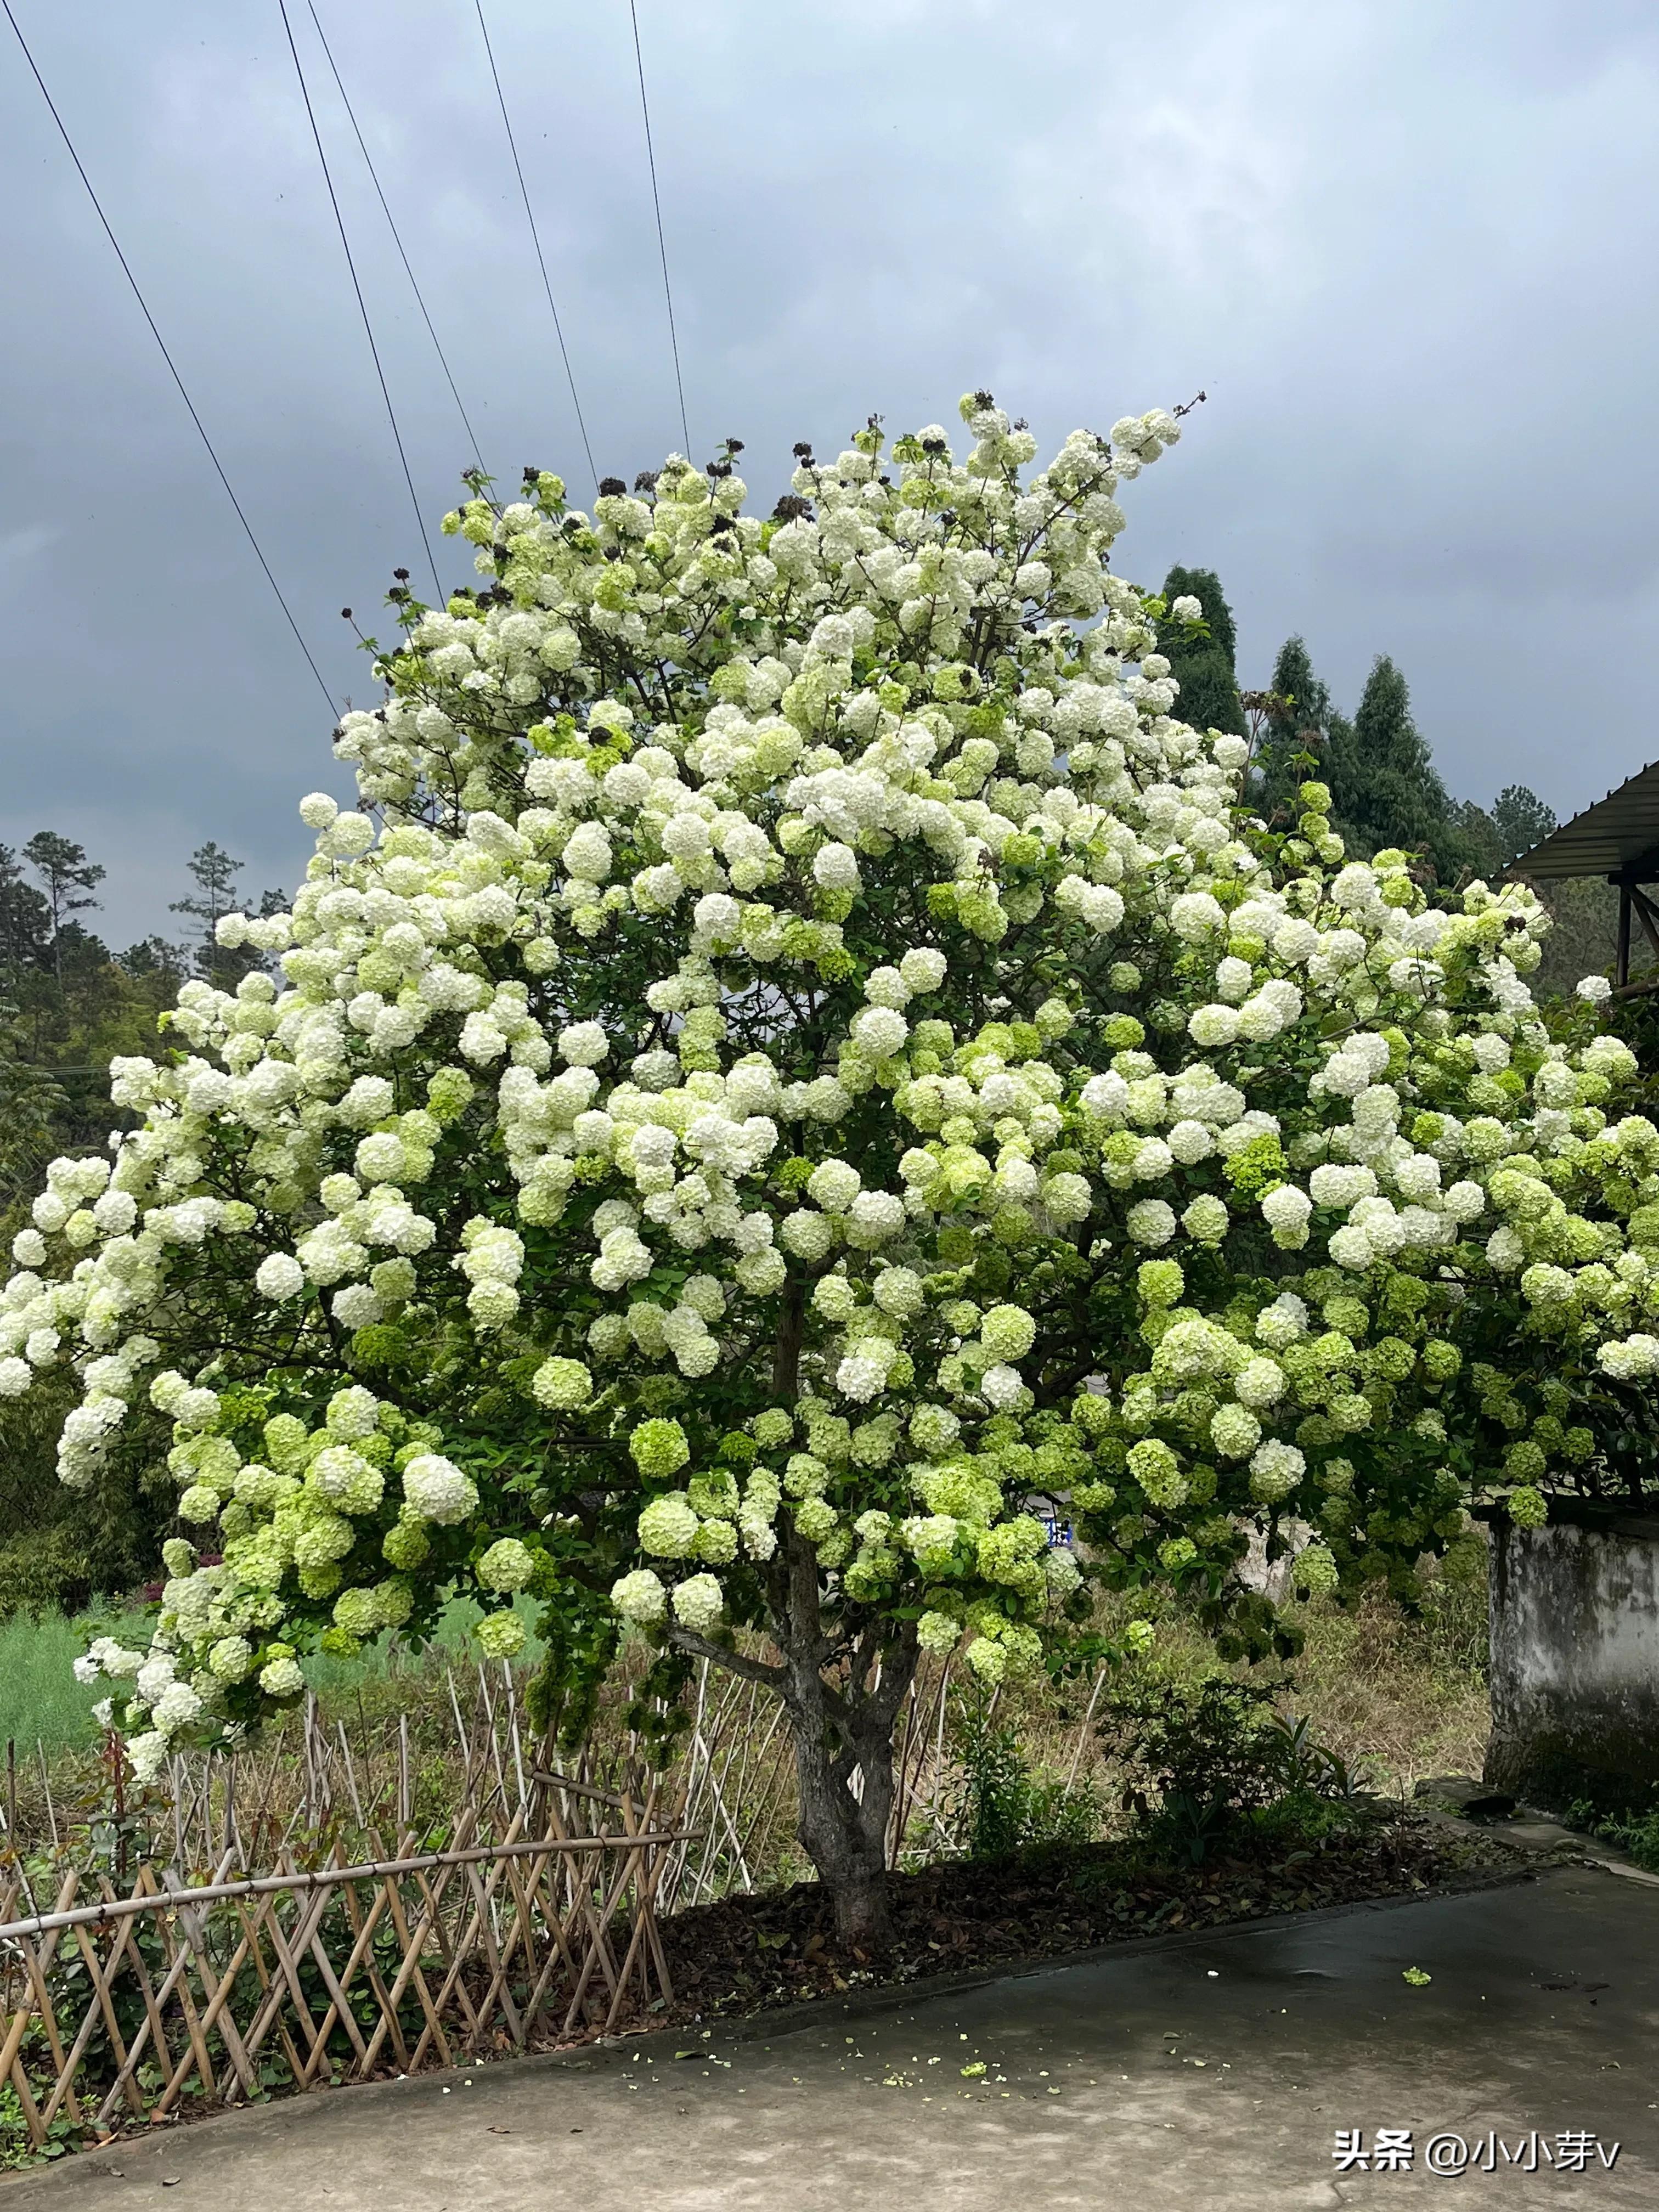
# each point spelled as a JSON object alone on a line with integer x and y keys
{"x": 1405, "y": 1693}
{"x": 338, "y": 1681}
{"x": 1401, "y": 1695}
{"x": 40, "y": 1701}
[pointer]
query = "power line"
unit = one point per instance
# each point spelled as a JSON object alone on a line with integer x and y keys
{"x": 190, "y": 404}
{"x": 662, "y": 246}
{"x": 362, "y": 306}
{"x": 535, "y": 235}
{"x": 397, "y": 239}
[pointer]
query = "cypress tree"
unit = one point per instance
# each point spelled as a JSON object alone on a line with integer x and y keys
{"x": 1385, "y": 789}
{"x": 1297, "y": 728}
{"x": 1203, "y": 667}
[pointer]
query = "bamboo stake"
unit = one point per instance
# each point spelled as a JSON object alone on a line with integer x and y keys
{"x": 1082, "y": 1734}
{"x": 13, "y": 1841}
{"x": 308, "y": 1802}
{"x": 351, "y": 1776}
{"x": 513, "y": 1727}
{"x": 45, "y": 1784}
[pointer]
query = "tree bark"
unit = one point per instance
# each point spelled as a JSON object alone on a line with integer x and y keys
{"x": 846, "y": 1839}
{"x": 843, "y": 1687}
{"x": 841, "y": 1721}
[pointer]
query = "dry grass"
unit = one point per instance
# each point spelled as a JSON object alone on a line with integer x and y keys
{"x": 1398, "y": 1696}
{"x": 1402, "y": 1695}
{"x": 1408, "y": 1696}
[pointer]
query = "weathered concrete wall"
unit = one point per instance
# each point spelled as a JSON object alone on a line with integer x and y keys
{"x": 1575, "y": 1659}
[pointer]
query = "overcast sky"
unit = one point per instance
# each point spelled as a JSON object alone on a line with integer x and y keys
{"x": 1407, "y": 249}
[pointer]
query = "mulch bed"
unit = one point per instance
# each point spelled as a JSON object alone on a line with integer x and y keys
{"x": 745, "y": 1954}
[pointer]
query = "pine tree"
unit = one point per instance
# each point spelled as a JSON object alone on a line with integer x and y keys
{"x": 155, "y": 957}
{"x": 1203, "y": 667}
{"x": 216, "y": 874}
{"x": 1385, "y": 789}
{"x": 69, "y": 879}
{"x": 25, "y": 920}
{"x": 1298, "y": 730}
{"x": 1472, "y": 845}
{"x": 1522, "y": 819}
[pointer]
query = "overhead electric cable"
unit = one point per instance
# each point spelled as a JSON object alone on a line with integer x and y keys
{"x": 534, "y": 236}
{"x": 368, "y": 161}
{"x": 190, "y": 404}
{"x": 662, "y": 246}
{"x": 362, "y": 305}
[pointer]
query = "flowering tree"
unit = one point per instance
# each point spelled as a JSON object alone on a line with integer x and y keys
{"x": 799, "y": 1055}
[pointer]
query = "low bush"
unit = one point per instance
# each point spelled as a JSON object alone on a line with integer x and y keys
{"x": 1005, "y": 1804}
{"x": 1206, "y": 1762}
{"x": 1626, "y": 1816}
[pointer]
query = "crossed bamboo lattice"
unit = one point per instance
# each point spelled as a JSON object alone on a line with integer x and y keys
{"x": 347, "y": 1971}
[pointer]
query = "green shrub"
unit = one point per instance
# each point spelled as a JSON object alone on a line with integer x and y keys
{"x": 1628, "y": 1818}
{"x": 1640, "y": 1838}
{"x": 1207, "y": 1762}
{"x": 1005, "y": 1804}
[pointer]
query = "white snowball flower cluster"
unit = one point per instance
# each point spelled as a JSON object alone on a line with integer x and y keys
{"x": 437, "y": 1490}
{"x": 794, "y": 1004}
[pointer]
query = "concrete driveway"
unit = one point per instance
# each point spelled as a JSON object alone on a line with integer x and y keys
{"x": 1190, "y": 2073}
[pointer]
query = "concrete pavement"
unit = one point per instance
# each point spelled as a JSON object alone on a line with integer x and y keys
{"x": 1212, "y": 2071}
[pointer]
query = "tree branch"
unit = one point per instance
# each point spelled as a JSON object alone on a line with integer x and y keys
{"x": 735, "y": 1662}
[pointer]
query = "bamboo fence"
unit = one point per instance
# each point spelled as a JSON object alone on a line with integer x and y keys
{"x": 246, "y": 1931}
{"x": 115, "y": 2007}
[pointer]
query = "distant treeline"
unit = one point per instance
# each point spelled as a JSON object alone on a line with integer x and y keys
{"x": 1385, "y": 789}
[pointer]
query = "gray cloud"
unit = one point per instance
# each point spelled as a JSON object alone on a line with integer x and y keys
{"x": 1407, "y": 250}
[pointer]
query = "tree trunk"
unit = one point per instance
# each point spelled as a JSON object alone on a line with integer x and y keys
{"x": 842, "y": 1722}
{"x": 842, "y": 1728}
{"x": 844, "y": 1833}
